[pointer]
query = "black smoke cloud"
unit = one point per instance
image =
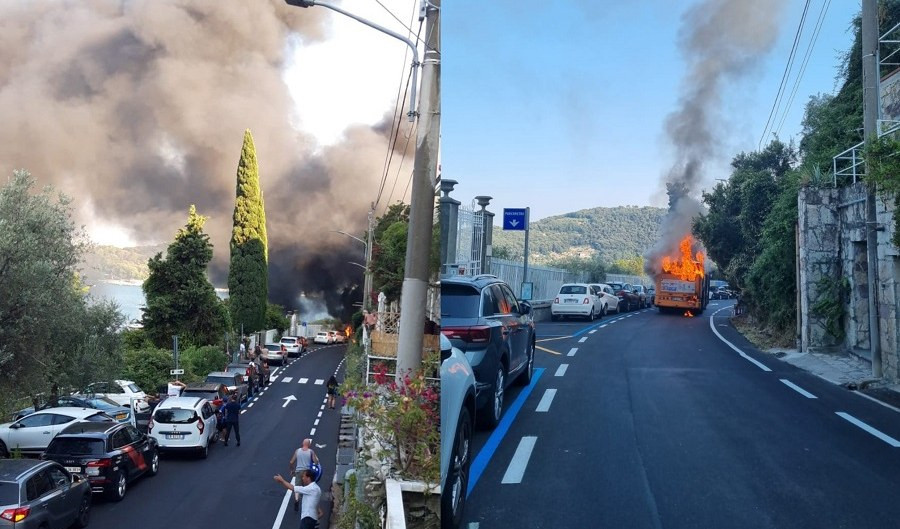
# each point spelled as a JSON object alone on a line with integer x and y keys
{"x": 722, "y": 41}
{"x": 136, "y": 109}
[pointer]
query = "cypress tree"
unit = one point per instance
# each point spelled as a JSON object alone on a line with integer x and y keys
{"x": 248, "y": 277}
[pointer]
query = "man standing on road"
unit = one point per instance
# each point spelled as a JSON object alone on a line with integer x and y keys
{"x": 302, "y": 460}
{"x": 309, "y": 514}
{"x": 232, "y": 420}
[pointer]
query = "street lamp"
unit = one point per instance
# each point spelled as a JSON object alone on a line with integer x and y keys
{"x": 367, "y": 282}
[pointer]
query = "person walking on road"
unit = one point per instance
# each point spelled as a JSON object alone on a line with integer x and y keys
{"x": 332, "y": 386}
{"x": 232, "y": 420}
{"x": 309, "y": 514}
{"x": 302, "y": 460}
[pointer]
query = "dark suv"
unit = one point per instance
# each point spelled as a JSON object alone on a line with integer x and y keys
{"x": 110, "y": 455}
{"x": 482, "y": 317}
{"x": 216, "y": 394}
{"x": 40, "y": 494}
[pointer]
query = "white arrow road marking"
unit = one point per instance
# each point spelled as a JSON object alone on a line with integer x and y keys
{"x": 320, "y": 446}
{"x": 516, "y": 469}
{"x": 287, "y": 379}
{"x": 319, "y": 381}
{"x": 287, "y": 400}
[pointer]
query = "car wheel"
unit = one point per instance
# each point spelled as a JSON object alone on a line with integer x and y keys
{"x": 204, "y": 450}
{"x": 120, "y": 484}
{"x": 4, "y": 453}
{"x": 591, "y": 316}
{"x": 453, "y": 500}
{"x": 495, "y": 407}
{"x": 84, "y": 512}
{"x": 154, "y": 464}
{"x": 603, "y": 312}
{"x": 527, "y": 373}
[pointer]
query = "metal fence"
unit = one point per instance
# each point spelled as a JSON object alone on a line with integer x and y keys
{"x": 466, "y": 258}
{"x": 546, "y": 280}
{"x": 626, "y": 278}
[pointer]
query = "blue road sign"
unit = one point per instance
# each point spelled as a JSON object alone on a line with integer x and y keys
{"x": 514, "y": 219}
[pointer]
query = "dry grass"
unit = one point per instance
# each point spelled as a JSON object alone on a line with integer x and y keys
{"x": 763, "y": 338}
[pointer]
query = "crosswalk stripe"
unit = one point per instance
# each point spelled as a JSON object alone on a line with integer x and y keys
{"x": 319, "y": 381}
{"x": 287, "y": 379}
{"x": 303, "y": 381}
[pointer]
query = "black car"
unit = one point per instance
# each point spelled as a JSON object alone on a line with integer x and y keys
{"x": 248, "y": 369}
{"x": 482, "y": 317}
{"x": 216, "y": 394}
{"x": 110, "y": 455}
{"x": 41, "y": 494}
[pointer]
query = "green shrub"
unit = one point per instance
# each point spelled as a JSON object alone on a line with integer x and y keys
{"x": 148, "y": 367}
{"x": 197, "y": 362}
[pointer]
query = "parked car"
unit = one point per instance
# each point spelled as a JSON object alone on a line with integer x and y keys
{"x": 608, "y": 300}
{"x": 250, "y": 372}
{"x": 651, "y": 294}
{"x": 184, "y": 423}
{"x": 339, "y": 337}
{"x": 33, "y": 433}
{"x": 233, "y": 381}
{"x": 482, "y": 317}
{"x": 292, "y": 345}
{"x": 575, "y": 299}
{"x": 122, "y": 391}
{"x": 42, "y": 494}
{"x": 457, "y": 427}
{"x": 216, "y": 394}
{"x": 274, "y": 353}
{"x": 110, "y": 455}
{"x": 323, "y": 338}
{"x": 111, "y": 407}
{"x": 335, "y": 336}
{"x": 641, "y": 292}
{"x": 628, "y": 300}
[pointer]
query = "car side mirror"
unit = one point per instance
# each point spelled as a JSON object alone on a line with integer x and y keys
{"x": 15, "y": 426}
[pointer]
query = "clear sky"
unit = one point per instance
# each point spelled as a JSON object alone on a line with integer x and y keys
{"x": 561, "y": 105}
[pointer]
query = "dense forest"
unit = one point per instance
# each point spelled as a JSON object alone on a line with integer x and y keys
{"x": 609, "y": 234}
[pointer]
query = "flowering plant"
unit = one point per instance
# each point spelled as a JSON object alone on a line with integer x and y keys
{"x": 404, "y": 419}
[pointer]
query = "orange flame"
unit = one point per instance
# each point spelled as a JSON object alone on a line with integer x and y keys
{"x": 688, "y": 314}
{"x": 688, "y": 267}
{"x": 348, "y": 330}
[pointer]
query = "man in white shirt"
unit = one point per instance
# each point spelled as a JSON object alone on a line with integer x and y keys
{"x": 174, "y": 388}
{"x": 309, "y": 512}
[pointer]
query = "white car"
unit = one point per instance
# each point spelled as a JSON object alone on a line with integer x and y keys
{"x": 292, "y": 345}
{"x": 339, "y": 337}
{"x": 121, "y": 391}
{"x": 275, "y": 353}
{"x": 576, "y": 299}
{"x": 184, "y": 423}
{"x": 608, "y": 300}
{"x": 457, "y": 431}
{"x": 33, "y": 433}
{"x": 323, "y": 337}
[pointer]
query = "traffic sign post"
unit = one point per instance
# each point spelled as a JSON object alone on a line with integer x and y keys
{"x": 176, "y": 371}
{"x": 517, "y": 219}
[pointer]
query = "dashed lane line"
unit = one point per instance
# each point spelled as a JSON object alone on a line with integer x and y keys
{"x": 561, "y": 370}
{"x": 881, "y": 435}
{"x": 797, "y": 388}
{"x": 546, "y": 400}
{"x": 592, "y": 331}
{"x": 572, "y": 351}
{"x": 583, "y": 340}
{"x": 516, "y": 469}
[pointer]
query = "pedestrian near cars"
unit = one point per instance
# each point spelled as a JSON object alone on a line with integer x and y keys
{"x": 174, "y": 388}
{"x": 309, "y": 489}
{"x": 332, "y": 386}
{"x": 232, "y": 420}
{"x": 302, "y": 460}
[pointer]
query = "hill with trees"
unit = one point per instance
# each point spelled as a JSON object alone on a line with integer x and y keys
{"x": 607, "y": 234}
{"x": 113, "y": 263}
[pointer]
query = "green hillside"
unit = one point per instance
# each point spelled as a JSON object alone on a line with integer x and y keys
{"x": 110, "y": 262}
{"x": 613, "y": 233}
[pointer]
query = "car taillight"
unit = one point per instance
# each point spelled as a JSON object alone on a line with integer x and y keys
{"x": 150, "y": 425}
{"x": 556, "y": 301}
{"x": 586, "y": 301}
{"x": 16, "y": 515}
{"x": 93, "y": 467}
{"x": 200, "y": 425}
{"x": 478, "y": 334}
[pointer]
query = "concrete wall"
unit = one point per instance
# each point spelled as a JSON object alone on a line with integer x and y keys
{"x": 832, "y": 243}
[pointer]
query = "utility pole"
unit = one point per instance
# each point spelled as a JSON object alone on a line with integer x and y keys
{"x": 418, "y": 243}
{"x": 367, "y": 284}
{"x": 871, "y": 101}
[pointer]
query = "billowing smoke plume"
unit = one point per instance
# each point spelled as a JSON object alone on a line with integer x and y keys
{"x": 722, "y": 41}
{"x": 136, "y": 108}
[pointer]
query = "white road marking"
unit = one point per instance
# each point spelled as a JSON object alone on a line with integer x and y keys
{"x": 546, "y": 400}
{"x": 316, "y": 423}
{"x": 312, "y": 432}
{"x": 572, "y": 351}
{"x": 283, "y": 508}
{"x": 516, "y": 469}
{"x": 319, "y": 381}
{"x": 797, "y": 388}
{"x": 273, "y": 378}
{"x": 604, "y": 325}
{"x": 583, "y": 340}
{"x": 884, "y": 437}
{"x": 888, "y": 406}
{"x": 243, "y": 412}
{"x": 302, "y": 380}
{"x": 742, "y": 353}
{"x": 610, "y": 323}
{"x": 319, "y": 415}
{"x": 592, "y": 331}
{"x": 250, "y": 405}
{"x": 287, "y": 379}
{"x": 561, "y": 370}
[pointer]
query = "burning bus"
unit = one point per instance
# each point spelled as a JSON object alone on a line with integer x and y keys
{"x": 683, "y": 283}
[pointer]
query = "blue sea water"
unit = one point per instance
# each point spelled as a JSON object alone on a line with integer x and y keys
{"x": 129, "y": 298}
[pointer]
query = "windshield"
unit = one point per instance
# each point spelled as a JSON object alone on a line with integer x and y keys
{"x": 133, "y": 388}
{"x": 289, "y": 341}
{"x": 77, "y": 446}
{"x": 174, "y": 416}
{"x": 228, "y": 381}
{"x": 273, "y": 348}
{"x": 615, "y": 286}
{"x": 9, "y": 493}
{"x": 104, "y": 404}
{"x": 573, "y": 289}
{"x": 460, "y": 301}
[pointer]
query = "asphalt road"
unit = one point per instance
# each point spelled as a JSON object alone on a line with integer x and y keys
{"x": 650, "y": 420}
{"x": 234, "y": 488}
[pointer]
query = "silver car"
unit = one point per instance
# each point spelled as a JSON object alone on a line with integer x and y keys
{"x": 42, "y": 494}
{"x": 457, "y": 425}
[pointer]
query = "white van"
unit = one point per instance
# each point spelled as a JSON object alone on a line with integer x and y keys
{"x": 184, "y": 423}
